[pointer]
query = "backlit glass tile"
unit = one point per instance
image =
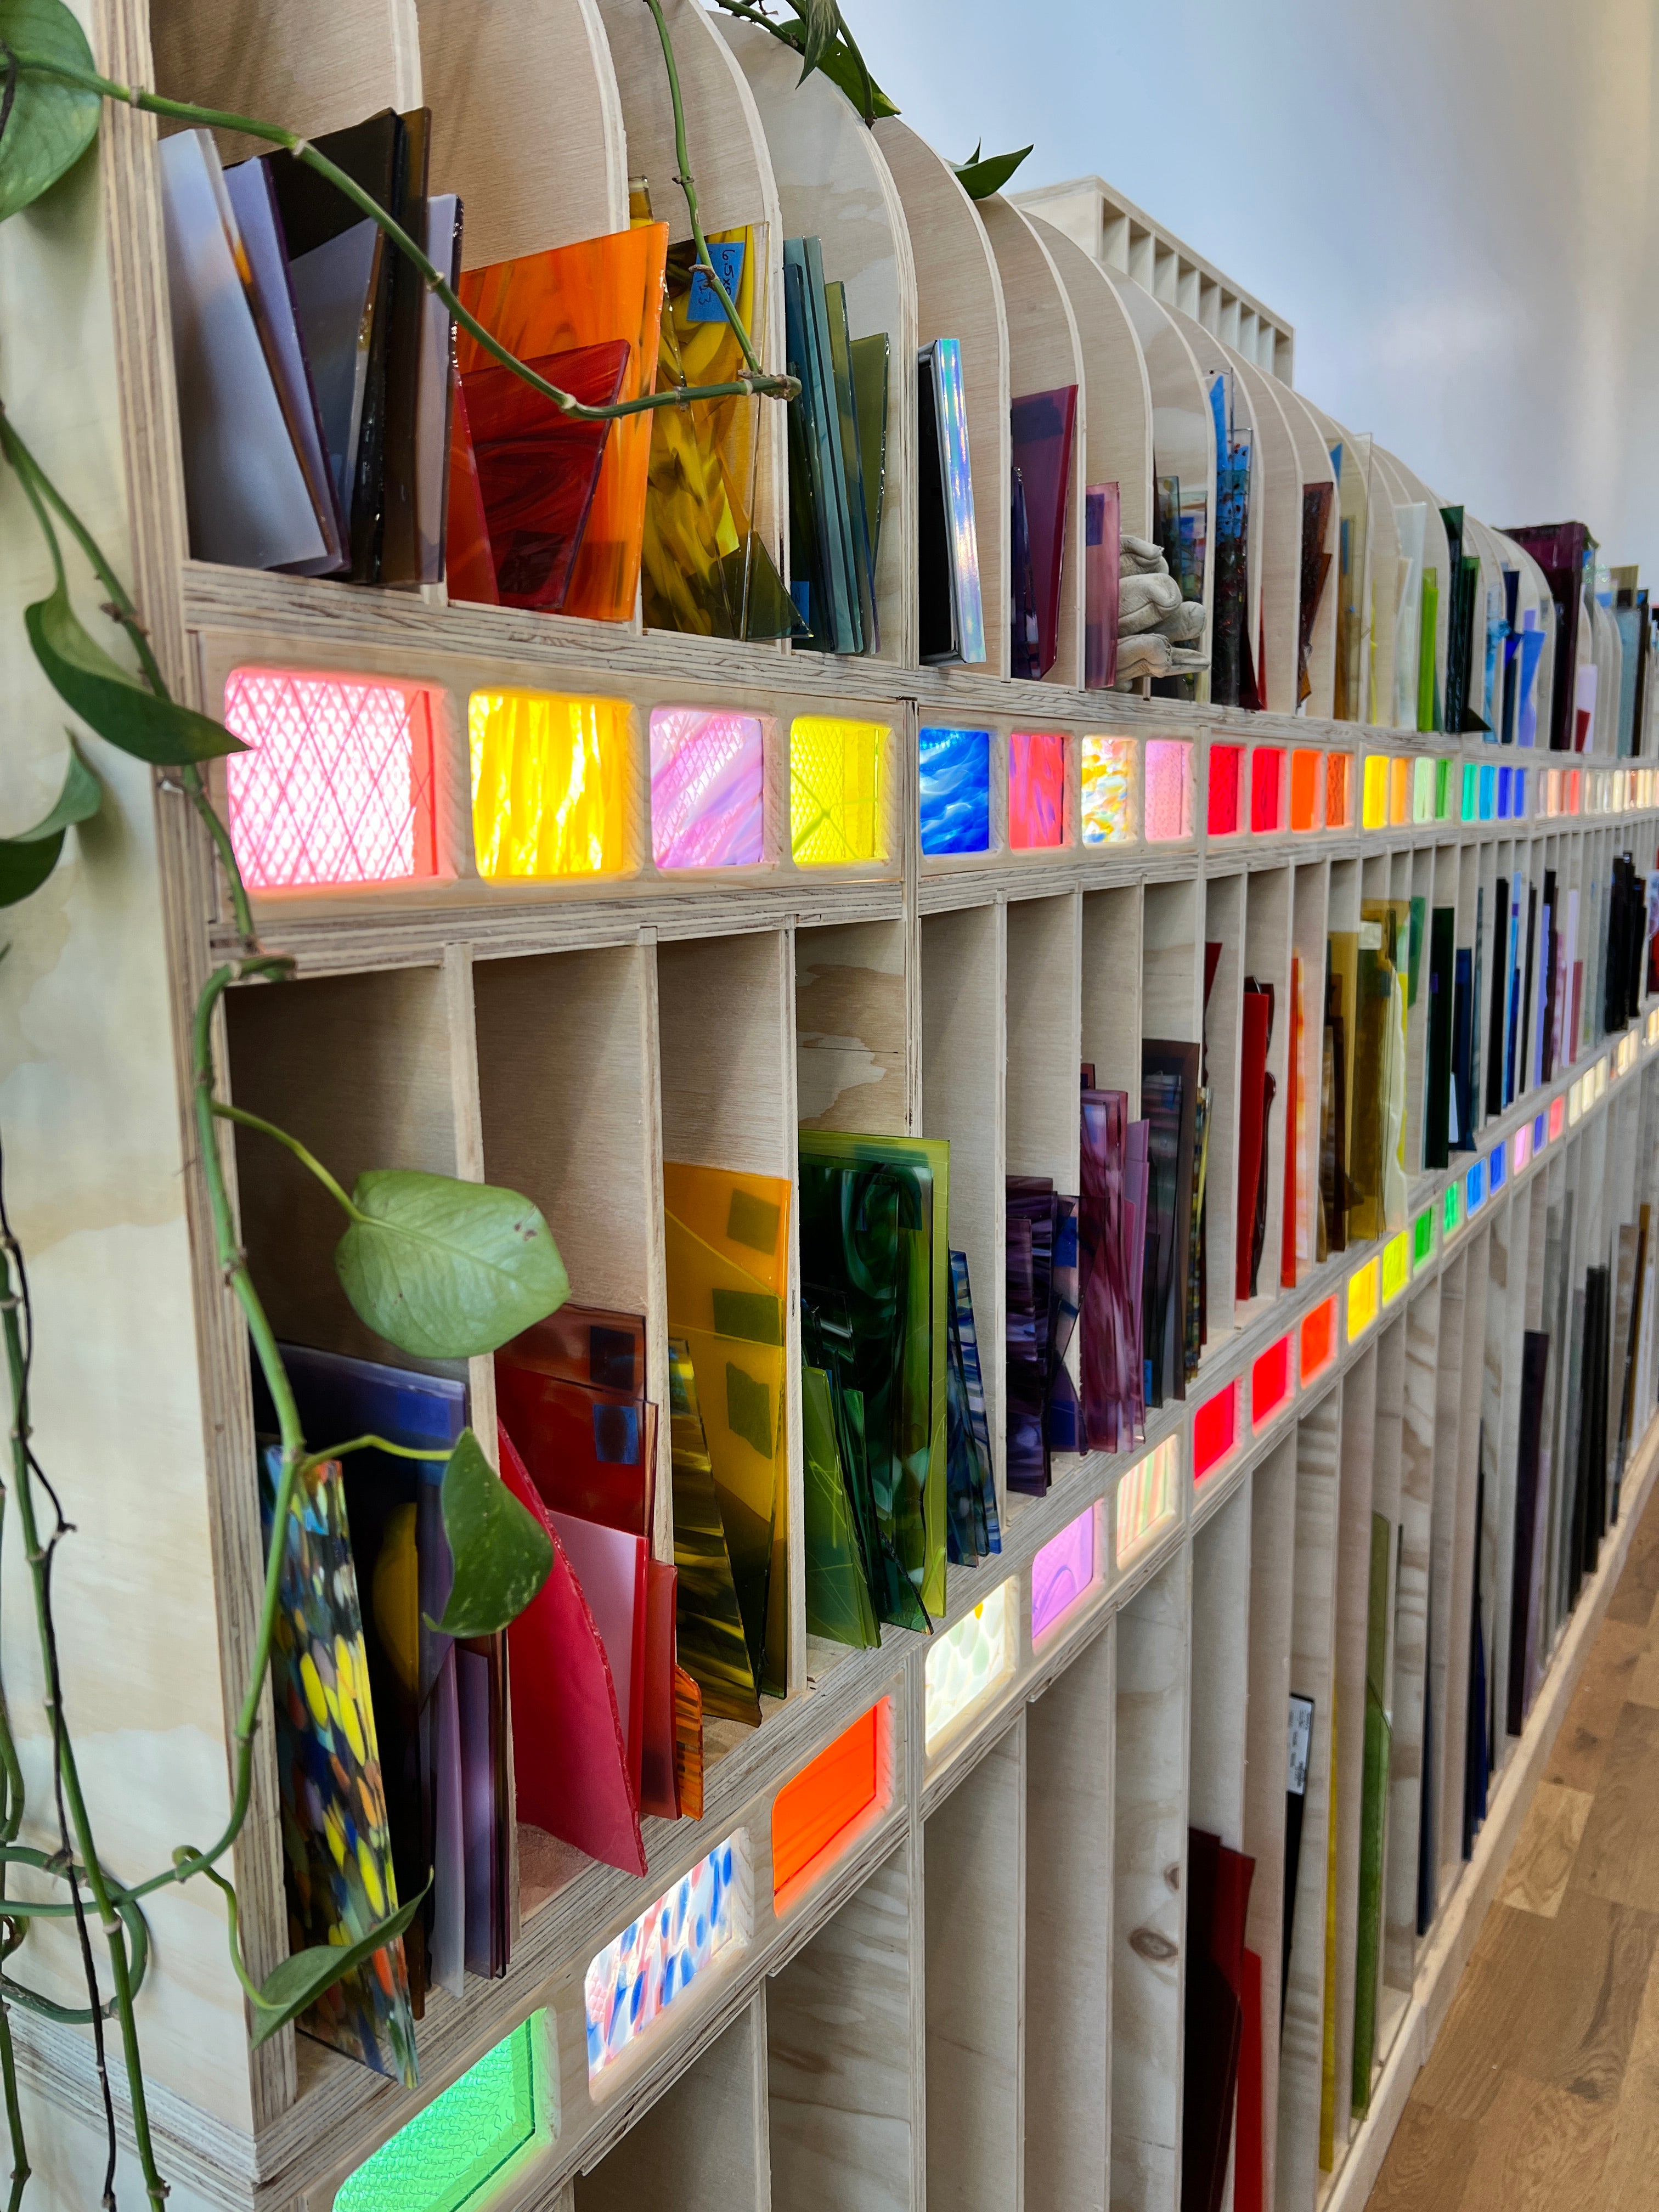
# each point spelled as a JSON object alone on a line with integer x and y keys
{"x": 835, "y": 781}
{"x": 708, "y": 788}
{"x": 468, "y": 2142}
{"x": 818, "y": 1806}
{"x": 1215, "y": 1430}
{"x": 1270, "y": 1381}
{"x": 1375, "y": 802}
{"x": 1063, "y": 1571}
{"x": 704, "y": 1918}
{"x": 547, "y": 783}
{"x": 1363, "y": 1293}
{"x": 1226, "y": 774}
{"x": 1146, "y": 1499}
{"x": 1318, "y": 1340}
{"x": 1168, "y": 774}
{"x": 1339, "y": 790}
{"x": 1304, "y": 788}
{"x": 336, "y": 787}
{"x": 1108, "y": 790}
{"x": 1267, "y": 790}
{"x": 956, "y": 790}
{"x": 1037, "y": 790}
{"x": 969, "y": 1663}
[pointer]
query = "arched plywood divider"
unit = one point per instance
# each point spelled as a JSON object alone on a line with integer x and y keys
{"x": 1382, "y": 588}
{"x": 1280, "y": 478}
{"x": 1435, "y": 556}
{"x": 1183, "y": 431}
{"x": 1315, "y": 461}
{"x": 959, "y": 295}
{"x": 1533, "y": 594}
{"x": 526, "y": 122}
{"x": 727, "y": 146}
{"x": 1119, "y": 394}
{"x": 314, "y": 65}
{"x": 1043, "y": 354}
{"x": 833, "y": 183}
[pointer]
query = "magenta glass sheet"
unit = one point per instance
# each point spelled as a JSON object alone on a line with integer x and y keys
{"x": 708, "y": 788}
{"x": 1062, "y": 1572}
{"x": 1167, "y": 771}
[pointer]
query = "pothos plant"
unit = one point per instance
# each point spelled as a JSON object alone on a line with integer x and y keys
{"x": 439, "y": 1268}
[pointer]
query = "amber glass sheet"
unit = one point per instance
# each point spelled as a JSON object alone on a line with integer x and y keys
{"x": 548, "y": 780}
{"x": 579, "y": 296}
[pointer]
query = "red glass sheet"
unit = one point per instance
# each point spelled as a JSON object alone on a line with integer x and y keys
{"x": 1267, "y": 789}
{"x": 1226, "y": 772}
{"x": 1215, "y": 1430}
{"x": 1270, "y": 1381}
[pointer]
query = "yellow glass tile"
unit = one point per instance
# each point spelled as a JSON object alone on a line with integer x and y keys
{"x": 1362, "y": 1299}
{"x": 835, "y": 777}
{"x": 547, "y": 783}
{"x": 1396, "y": 1267}
{"x": 1375, "y": 804}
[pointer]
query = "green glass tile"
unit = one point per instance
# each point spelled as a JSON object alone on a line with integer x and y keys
{"x": 1443, "y": 791}
{"x": 1423, "y": 1238}
{"x": 465, "y": 2143}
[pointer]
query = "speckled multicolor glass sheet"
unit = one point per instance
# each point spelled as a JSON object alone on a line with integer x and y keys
{"x": 548, "y": 778}
{"x": 969, "y": 1663}
{"x": 468, "y": 2142}
{"x": 1108, "y": 790}
{"x": 335, "y": 1840}
{"x": 956, "y": 790}
{"x": 1037, "y": 790}
{"x": 708, "y": 788}
{"x": 703, "y": 1919}
{"x": 1063, "y": 1572}
{"x": 835, "y": 790}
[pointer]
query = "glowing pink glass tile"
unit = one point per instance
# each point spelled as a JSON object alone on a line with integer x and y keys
{"x": 1036, "y": 789}
{"x": 708, "y": 788}
{"x": 1169, "y": 802}
{"x": 336, "y": 785}
{"x": 1063, "y": 1573}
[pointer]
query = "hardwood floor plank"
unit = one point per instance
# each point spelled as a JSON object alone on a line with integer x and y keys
{"x": 1618, "y": 1857}
{"x": 1428, "y": 2164}
{"x": 1540, "y": 2149}
{"x": 1483, "y": 2029}
{"x": 1581, "y": 2010}
{"x": 1629, "y": 2180}
{"x": 1535, "y": 1880}
{"x": 1581, "y": 1743}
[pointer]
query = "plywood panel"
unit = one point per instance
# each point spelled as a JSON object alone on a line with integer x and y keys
{"x": 701, "y": 2146}
{"x": 852, "y": 1028}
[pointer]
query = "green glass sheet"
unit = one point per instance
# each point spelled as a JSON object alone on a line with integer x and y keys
{"x": 837, "y": 1593}
{"x": 466, "y": 2143}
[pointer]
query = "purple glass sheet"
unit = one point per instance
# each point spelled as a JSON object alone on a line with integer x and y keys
{"x": 708, "y": 788}
{"x": 1062, "y": 1572}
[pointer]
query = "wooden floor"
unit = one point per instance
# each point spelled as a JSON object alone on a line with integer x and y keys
{"x": 1543, "y": 2088}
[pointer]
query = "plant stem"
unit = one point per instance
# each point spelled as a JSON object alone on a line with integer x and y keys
{"x": 687, "y": 184}
{"x": 373, "y": 1444}
{"x": 776, "y": 387}
{"x": 307, "y": 1159}
{"x": 38, "y": 484}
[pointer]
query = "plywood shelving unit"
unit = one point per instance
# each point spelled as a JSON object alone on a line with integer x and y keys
{"x": 978, "y": 2001}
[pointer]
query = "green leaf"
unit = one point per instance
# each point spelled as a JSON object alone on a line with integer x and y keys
{"x": 115, "y": 704}
{"x": 289, "y": 1989}
{"x": 50, "y": 125}
{"x": 501, "y": 1552}
{"x": 445, "y": 1269}
{"x": 979, "y": 178}
{"x": 27, "y": 859}
{"x": 820, "y": 22}
{"x": 835, "y": 59}
{"x": 839, "y": 66}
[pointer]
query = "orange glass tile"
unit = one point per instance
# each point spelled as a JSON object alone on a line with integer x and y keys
{"x": 1304, "y": 788}
{"x": 1399, "y": 792}
{"x": 1318, "y": 1339}
{"x": 578, "y": 296}
{"x": 824, "y": 1799}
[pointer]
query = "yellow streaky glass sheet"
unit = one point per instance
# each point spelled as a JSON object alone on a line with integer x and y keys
{"x": 549, "y": 775}
{"x": 835, "y": 791}
{"x": 743, "y": 1217}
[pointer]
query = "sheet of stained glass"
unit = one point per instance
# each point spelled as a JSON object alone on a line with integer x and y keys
{"x": 583, "y": 295}
{"x": 1036, "y": 789}
{"x": 549, "y": 775}
{"x": 975, "y": 1528}
{"x": 336, "y": 786}
{"x": 1063, "y": 1571}
{"x": 835, "y": 790}
{"x": 708, "y": 788}
{"x": 1339, "y": 801}
{"x": 1226, "y": 772}
{"x": 956, "y": 790}
{"x": 706, "y": 1917}
{"x": 1147, "y": 1498}
{"x": 837, "y": 1589}
{"x": 1169, "y": 770}
{"x": 1108, "y": 790}
{"x": 335, "y": 1840}
{"x": 468, "y": 2142}
{"x": 969, "y": 1663}
{"x": 710, "y": 1642}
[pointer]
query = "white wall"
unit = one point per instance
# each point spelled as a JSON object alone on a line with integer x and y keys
{"x": 1453, "y": 201}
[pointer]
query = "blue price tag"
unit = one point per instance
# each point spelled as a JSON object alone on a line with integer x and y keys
{"x": 705, "y": 304}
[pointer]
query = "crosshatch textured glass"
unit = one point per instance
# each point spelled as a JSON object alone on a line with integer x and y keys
{"x": 658, "y": 1957}
{"x": 835, "y": 790}
{"x": 708, "y": 788}
{"x": 336, "y": 787}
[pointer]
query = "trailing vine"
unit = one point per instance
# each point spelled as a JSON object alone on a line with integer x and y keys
{"x": 437, "y": 1266}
